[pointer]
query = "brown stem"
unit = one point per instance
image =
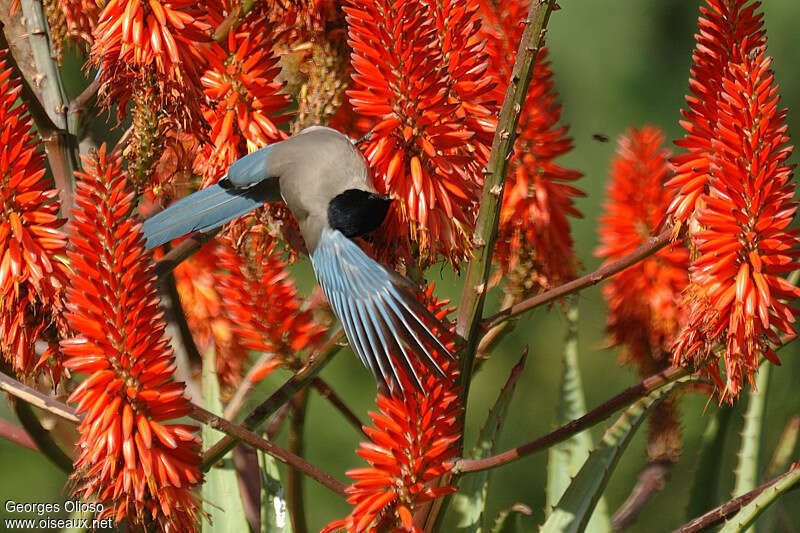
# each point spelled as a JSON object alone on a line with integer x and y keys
{"x": 180, "y": 335}
{"x": 76, "y": 113}
{"x": 234, "y": 432}
{"x": 328, "y": 393}
{"x": 183, "y": 251}
{"x": 296, "y": 444}
{"x": 43, "y": 439}
{"x": 245, "y": 387}
{"x": 728, "y": 509}
{"x": 591, "y": 418}
{"x": 37, "y": 399}
{"x": 276, "y": 421}
{"x": 17, "y": 435}
{"x": 652, "y": 480}
{"x": 649, "y": 248}
{"x": 287, "y": 391}
{"x": 239, "y": 433}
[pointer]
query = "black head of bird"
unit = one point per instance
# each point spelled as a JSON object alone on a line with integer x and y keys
{"x": 325, "y": 181}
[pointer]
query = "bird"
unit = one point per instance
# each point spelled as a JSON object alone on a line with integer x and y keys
{"x": 325, "y": 182}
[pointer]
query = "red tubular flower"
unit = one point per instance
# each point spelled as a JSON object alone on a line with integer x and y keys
{"x": 241, "y": 84}
{"x": 534, "y": 226}
{"x": 422, "y": 147}
{"x": 643, "y": 315}
{"x": 32, "y": 247}
{"x": 721, "y": 26}
{"x": 410, "y": 448}
{"x": 129, "y": 459}
{"x": 743, "y": 241}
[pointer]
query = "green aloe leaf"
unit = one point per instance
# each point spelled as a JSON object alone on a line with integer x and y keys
{"x": 509, "y": 520}
{"x": 752, "y": 435}
{"x": 467, "y": 505}
{"x": 781, "y": 458}
{"x": 274, "y": 515}
{"x": 748, "y": 514}
{"x": 705, "y": 487}
{"x": 565, "y": 459}
{"x": 574, "y": 509}
{"x": 221, "y": 487}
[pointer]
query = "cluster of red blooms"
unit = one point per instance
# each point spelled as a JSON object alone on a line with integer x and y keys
{"x": 423, "y": 147}
{"x": 32, "y": 247}
{"x": 733, "y": 184}
{"x": 244, "y": 97}
{"x": 245, "y": 300}
{"x": 534, "y": 231}
{"x": 644, "y": 311}
{"x": 407, "y": 452}
{"x": 644, "y": 315}
{"x": 140, "y": 467}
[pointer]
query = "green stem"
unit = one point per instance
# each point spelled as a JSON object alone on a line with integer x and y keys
{"x": 475, "y": 285}
{"x": 60, "y": 144}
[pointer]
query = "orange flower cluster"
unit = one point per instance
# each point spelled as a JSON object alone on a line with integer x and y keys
{"x": 422, "y": 148}
{"x": 32, "y": 247}
{"x": 143, "y": 44}
{"x": 742, "y": 238}
{"x": 244, "y": 304}
{"x": 264, "y": 303}
{"x": 643, "y": 311}
{"x": 534, "y": 232}
{"x": 140, "y": 467}
{"x": 410, "y": 447}
{"x": 240, "y": 83}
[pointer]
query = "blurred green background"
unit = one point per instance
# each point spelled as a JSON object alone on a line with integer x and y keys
{"x": 617, "y": 64}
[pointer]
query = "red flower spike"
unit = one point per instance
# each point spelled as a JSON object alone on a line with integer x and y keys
{"x": 240, "y": 82}
{"x": 743, "y": 242}
{"x": 262, "y": 302}
{"x": 411, "y": 446}
{"x": 142, "y": 44}
{"x": 721, "y": 26}
{"x": 130, "y": 459}
{"x": 534, "y": 232}
{"x": 422, "y": 150}
{"x": 643, "y": 311}
{"x": 32, "y": 247}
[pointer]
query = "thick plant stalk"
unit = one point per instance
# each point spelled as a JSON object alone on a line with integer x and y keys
{"x": 475, "y": 285}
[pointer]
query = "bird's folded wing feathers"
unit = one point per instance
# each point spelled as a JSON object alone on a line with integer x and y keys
{"x": 378, "y": 310}
{"x": 206, "y": 209}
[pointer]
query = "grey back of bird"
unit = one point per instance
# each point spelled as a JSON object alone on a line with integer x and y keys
{"x": 314, "y": 167}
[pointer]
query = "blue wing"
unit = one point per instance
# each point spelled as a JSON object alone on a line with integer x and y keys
{"x": 378, "y": 310}
{"x": 206, "y": 209}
